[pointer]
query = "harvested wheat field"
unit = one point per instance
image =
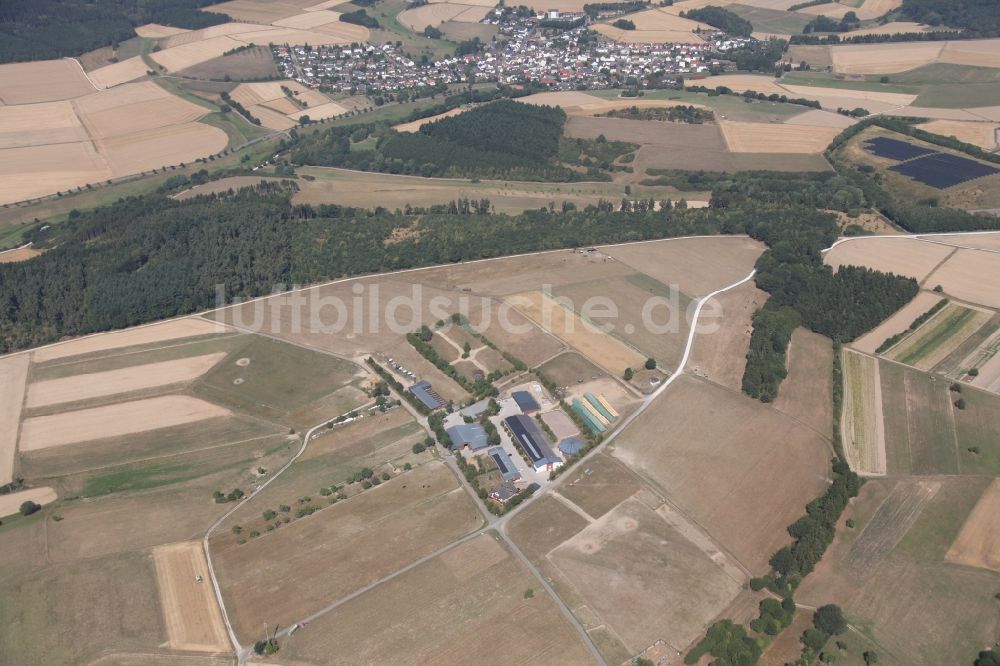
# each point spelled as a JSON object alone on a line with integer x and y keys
{"x": 818, "y": 118}
{"x": 885, "y": 58}
{"x": 256, "y": 11}
{"x": 415, "y": 125}
{"x": 975, "y": 52}
{"x": 25, "y": 125}
{"x": 606, "y": 351}
{"x": 174, "y": 329}
{"x": 902, "y": 256}
{"x": 807, "y": 392}
{"x": 653, "y": 26}
{"x": 35, "y": 171}
{"x": 13, "y": 375}
{"x": 719, "y": 351}
{"x": 157, "y": 31}
{"x": 126, "y": 418}
{"x": 989, "y": 240}
{"x": 307, "y": 20}
{"x": 862, "y": 424}
{"x": 818, "y": 92}
{"x": 776, "y": 138}
{"x": 18, "y": 255}
{"x": 742, "y": 82}
{"x": 978, "y": 544}
{"x": 126, "y": 380}
{"x": 190, "y": 612}
{"x": 432, "y": 15}
{"x": 161, "y": 146}
{"x": 10, "y": 503}
{"x": 971, "y": 276}
{"x": 133, "y": 108}
{"x": 119, "y": 72}
{"x": 897, "y": 323}
{"x": 194, "y": 52}
{"x": 872, "y": 9}
{"x": 982, "y": 134}
{"x": 42, "y": 81}
{"x": 697, "y": 266}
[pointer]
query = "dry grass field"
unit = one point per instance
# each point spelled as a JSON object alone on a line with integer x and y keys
{"x": 319, "y": 559}
{"x": 128, "y": 418}
{"x": 767, "y": 460}
{"x": 697, "y": 266}
{"x": 450, "y": 610}
{"x": 819, "y": 118}
{"x": 897, "y": 323}
{"x": 719, "y": 351}
{"x": 888, "y": 58}
{"x": 807, "y": 392}
{"x": 962, "y": 276}
{"x": 644, "y": 578}
{"x": 435, "y": 14}
{"x": 276, "y": 110}
{"x": 157, "y": 31}
{"x": 190, "y": 611}
{"x": 862, "y": 425}
{"x": 567, "y": 325}
{"x": 18, "y": 255}
{"x": 978, "y": 544}
{"x": 902, "y": 256}
{"x": 13, "y": 376}
{"x": 644, "y": 313}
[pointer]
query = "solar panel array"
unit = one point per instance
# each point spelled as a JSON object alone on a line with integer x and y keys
{"x": 895, "y": 149}
{"x": 942, "y": 170}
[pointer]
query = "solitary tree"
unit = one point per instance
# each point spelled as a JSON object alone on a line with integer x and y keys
{"x": 650, "y": 363}
{"x": 830, "y": 619}
{"x": 29, "y": 507}
{"x": 628, "y": 374}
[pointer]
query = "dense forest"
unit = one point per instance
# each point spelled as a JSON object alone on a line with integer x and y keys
{"x": 681, "y": 113}
{"x": 977, "y": 16}
{"x": 721, "y": 18}
{"x": 44, "y": 29}
{"x": 503, "y": 139}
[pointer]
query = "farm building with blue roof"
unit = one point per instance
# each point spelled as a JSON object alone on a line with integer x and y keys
{"x": 472, "y": 435}
{"x": 427, "y": 395}
{"x": 525, "y": 401}
{"x": 504, "y": 463}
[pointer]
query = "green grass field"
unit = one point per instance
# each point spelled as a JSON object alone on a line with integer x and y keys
{"x": 978, "y": 427}
{"x": 933, "y": 334}
{"x": 940, "y": 86}
{"x": 919, "y": 426}
{"x": 771, "y": 20}
{"x": 238, "y": 130}
{"x": 278, "y": 379}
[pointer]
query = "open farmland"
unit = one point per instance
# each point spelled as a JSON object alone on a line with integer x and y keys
{"x": 58, "y": 145}
{"x": 890, "y": 576}
{"x": 771, "y": 138}
{"x": 655, "y": 25}
{"x": 435, "y": 14}
{"x": 663, "y": 337}
{"x": 898, "y": 57}
{"x": 340, "y": 549}
{"x": 897, "y": 323}
{"x": 982, "y": 134}
{"x": 189, "y": 607}
{"x": 807, "y": 391}
{"x": 902, "y": 256}
{"x": 939, "y": 336}
{"x": 13, "y": 376}
{"x": 724, "y": 487}
{"x": 696, "y": 266}
{"x": 11, "y": 502}
{"x": 605, "y": 350}
{"x": 919, "y": 423}
{"x": 721, "y": 346}
{"x": 862, "y": 426}
{"x": 962, "y": 276}
{"x": 978, "y": 544}
{"x": 450, "y": 610}
{"x": 644, "y": 578}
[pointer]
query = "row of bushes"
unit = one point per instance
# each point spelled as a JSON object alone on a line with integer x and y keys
{"x": 753, "y": 94}
{"x": 917, "y": 323}
{"x": 394, "y": 383}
